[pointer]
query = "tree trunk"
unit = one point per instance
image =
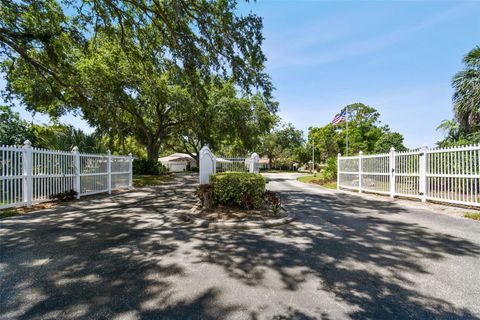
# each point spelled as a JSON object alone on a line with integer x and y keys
{"x": 153, "y": 150}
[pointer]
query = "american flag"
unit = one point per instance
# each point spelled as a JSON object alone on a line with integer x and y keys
{"x": 339, "y": 118}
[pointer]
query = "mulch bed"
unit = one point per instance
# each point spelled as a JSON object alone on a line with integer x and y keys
{"x": 235, "y": 214}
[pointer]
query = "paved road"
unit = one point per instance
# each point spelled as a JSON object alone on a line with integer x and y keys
{"x": 346, "y": 257}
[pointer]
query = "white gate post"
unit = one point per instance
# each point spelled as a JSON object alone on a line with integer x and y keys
{"x": 109, "y": 171}
{"x": 130, "y": 171}
{"x": 423, "y": 173}
{"x": 27, "y": 173}
{"x": 207, "y": 165}
{"x": 360, "y": 154}
{"x": 338, "y": 171}
{"x": 76, "y": 155}
{"x": 254, "y": 160}
{"x": 392, "y": 172}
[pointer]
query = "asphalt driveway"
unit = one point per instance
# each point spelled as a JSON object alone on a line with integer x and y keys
{"x": 133, "y": 256}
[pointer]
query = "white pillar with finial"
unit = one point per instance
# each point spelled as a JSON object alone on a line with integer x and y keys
{"x": 109, "y": 171}
{"x": 338, "y": 170}
{"x": 130, "y": 171}
{"x": 76, "y": 162}
{"x": 360, "y": 154}
{"x": 27, "y": 173}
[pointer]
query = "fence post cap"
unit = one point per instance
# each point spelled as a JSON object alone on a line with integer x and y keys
{"x": 392, "y": 149}
{"x": 360, "y": 152}
{"x": 255, "y": 155}
{"x": 424, "y": 146}
{"x": 339, "y": 154}
{"x": 75, "y": 149}
{"x": 130, "y": 154}
{"x": 109, "y": 152}
{"x": 27, "y": 143}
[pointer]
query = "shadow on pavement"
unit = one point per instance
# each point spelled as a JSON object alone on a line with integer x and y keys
{"x": 103, "y": 263}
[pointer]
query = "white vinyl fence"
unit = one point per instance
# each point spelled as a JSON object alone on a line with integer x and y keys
{"x": 444, "y": 174}
{"x": 30, "y": 175}
{"x": 210, "y": 164}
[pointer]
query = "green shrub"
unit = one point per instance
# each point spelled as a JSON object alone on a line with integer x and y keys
{"x": 64, "y": 196}
{"x": 238, "y": 188}
{"x": 330, "y": 171}
{"x": 146, "y": 166}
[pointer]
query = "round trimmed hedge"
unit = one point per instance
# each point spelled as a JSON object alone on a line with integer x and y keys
{"x": 238, "y": 188}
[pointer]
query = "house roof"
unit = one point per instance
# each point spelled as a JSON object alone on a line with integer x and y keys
{"x": 176, "y": 157}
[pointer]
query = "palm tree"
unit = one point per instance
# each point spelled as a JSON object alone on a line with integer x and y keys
{"x": 61, "y": 137}
{"x": 466, "y": 98}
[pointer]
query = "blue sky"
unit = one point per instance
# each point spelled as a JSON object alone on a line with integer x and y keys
{"x": 397, "y": 56}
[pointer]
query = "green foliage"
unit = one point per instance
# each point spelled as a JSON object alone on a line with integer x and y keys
{"x": 466, "y": 98}
{"x": 237, "y": 188}
{"x": 13, "y": 130}
{"x": 137, "y": 69}
{"x": 141, "y": 180}
{"x": 320, "y": 180}
{"x": 455, "y": 135}
{"x": 62, "y": 137}
{"x": 148, "y": 166}
{"x": 326, "y": 142}
{"x": 364, "y": 129}
{"x": 282, "y": 145}
{"x": 365, "y": 133}
{"x": 330, "y": 170}
{"x": 389, "y": 140}
{"x": 231, "y": 123}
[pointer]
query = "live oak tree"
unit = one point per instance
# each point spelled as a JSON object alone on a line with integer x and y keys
{"x": 231, "y": 122}
{"x": 130, "y": 67}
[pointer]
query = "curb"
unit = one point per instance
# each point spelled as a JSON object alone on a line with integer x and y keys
{"x": 243, "y": 225}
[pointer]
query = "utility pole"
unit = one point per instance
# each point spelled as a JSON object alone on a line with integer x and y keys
{"x": 313, "y": 154}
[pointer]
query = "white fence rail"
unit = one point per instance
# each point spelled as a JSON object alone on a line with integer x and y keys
{"x": 30, "y": 175}
{"x": 445, "y": 174}
{"x": 210, "y": 164}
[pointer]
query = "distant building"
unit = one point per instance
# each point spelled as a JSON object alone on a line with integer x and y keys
{"x": 178, "y": 162}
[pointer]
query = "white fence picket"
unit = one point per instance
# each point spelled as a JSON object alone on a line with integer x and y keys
{"x": 31, "y": 175}
{"x": 443, "y": 174}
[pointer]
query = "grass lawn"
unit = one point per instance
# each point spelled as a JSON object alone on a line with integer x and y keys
{"x": 144, "y": 180}
{"x": 473, "y": 215}
{"x": 318, "y": 180}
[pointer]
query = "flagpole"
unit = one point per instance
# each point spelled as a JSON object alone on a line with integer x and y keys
{"x": 346, "y": 121}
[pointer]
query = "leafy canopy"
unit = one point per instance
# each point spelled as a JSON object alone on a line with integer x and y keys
{"x": 282, "y": 144}
{"x": 13, "y": 130}
{"x": 143, "y": 69}
{"x": 365, "y": 133}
